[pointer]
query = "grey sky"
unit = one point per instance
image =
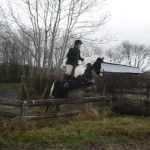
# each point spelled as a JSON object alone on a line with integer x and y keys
{"x": 130, "y": 20}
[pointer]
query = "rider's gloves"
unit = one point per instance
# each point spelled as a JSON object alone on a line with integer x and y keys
{"x": 82, "y": 59}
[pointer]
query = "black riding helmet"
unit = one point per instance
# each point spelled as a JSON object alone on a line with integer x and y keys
{"x": 78, "y": 42}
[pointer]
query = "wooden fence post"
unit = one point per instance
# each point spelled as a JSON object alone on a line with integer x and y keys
{"x": 104, "y": 90}
{"x": 24, "y": 111}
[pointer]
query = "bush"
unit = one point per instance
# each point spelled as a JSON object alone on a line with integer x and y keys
{"x": 39, "y": 86}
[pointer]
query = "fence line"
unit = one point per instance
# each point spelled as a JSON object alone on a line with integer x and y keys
{"x": 44, "y": 102}
{"x": 47, "y": 102}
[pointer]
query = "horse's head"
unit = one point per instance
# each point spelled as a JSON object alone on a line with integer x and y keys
{"x": 97, "y": 65}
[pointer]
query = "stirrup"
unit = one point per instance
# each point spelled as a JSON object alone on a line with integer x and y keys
{"x": 66, "y": 85}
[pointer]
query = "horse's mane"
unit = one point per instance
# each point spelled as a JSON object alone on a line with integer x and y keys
{"x": 82, "y": 66}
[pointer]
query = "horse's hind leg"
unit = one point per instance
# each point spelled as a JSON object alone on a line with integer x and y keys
{"x": 58, "y": 108}
{"x": 46, "y": 109}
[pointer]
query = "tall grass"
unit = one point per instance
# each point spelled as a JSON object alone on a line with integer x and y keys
{"x": 94, "y": 123}
{"x": 66, "y": 132}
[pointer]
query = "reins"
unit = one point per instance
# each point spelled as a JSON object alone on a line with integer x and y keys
{"x": 84, "y": 64}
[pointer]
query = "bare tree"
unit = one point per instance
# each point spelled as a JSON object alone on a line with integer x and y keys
{"x": 113, "y": 56}
{"x": 141, "y": 56}
{"x": 76, "y": 26}
{"x": 130, "y": 54}
{"x": 89, "y": 49}
{"x": 125, "y": 50}
{"x": 109, "y": 55}
{"x": 46, "y": 28}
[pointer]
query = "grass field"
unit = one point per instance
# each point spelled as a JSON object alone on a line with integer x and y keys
{"x": 91, "y": 130}
{"x": 76, "y": 133}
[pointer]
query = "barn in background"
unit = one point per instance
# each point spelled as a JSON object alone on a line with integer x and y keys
{"x": 120, "y": 79}
{"x": 120, "y": 69}
{"x": 128, "y": 86}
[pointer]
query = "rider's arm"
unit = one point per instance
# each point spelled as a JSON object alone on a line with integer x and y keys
{"x": 80, "y": 58}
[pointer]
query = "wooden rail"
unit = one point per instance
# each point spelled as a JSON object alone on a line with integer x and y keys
{"x": 47, "y": 102}
{"x": 10, "y": 102}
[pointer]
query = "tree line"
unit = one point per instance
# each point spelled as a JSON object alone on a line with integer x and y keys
{"x": 38, "y": 33}
{"x": 131, "y": 54}
{"x": 35, "y": 36}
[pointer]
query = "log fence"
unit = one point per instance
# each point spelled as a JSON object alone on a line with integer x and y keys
{"x": 26, "y": 104}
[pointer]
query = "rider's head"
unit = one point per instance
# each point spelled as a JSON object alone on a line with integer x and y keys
{"x": 78, "y": 43}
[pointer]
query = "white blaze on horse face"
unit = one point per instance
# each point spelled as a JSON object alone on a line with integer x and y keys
{"x": 101, "y": 74}
{"x": 51, "y": 91}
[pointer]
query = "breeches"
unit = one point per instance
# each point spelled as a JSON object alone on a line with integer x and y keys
{"x": 69, "y": 70}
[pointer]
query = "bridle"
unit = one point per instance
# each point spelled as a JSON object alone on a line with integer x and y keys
{"x": 85, "y": 65}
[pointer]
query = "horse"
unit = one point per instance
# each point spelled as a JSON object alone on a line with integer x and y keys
{"x": 83, "y": 77}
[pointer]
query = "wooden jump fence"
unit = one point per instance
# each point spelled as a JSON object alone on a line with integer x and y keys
{"x": 24, "y": 106}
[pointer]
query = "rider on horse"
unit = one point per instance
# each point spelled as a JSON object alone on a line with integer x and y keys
{"x": 72, "y": 60}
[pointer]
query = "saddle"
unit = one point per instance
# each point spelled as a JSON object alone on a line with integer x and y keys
{"x": 63, "y": 82}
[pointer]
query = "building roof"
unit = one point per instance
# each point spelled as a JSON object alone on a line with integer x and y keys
{"x": 106, "y": 67}
{"x": 117, "y": 68}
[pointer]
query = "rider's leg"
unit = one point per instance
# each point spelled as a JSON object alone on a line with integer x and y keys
{"x": 69, "y": 69}
{"x": 66, "y": 77}
{"x": 68, "y": 73}
{"x": 73, "y": 71}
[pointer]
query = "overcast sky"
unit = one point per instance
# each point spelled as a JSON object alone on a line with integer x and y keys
{"x": 130, "y": 20}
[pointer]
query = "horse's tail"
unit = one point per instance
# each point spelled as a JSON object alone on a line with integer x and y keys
{"x": 51, "y": 91}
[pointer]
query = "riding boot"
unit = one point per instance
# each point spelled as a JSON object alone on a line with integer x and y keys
{"x": 67, "y": 77}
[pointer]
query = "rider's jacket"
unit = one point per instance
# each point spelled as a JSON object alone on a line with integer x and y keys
{"x": 73, "y": 56}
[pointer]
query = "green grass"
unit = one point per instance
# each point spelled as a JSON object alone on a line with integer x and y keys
{"x": 5, "y": 86}
{"x": 76, "y": 132}
{"x": 63, "y": 133}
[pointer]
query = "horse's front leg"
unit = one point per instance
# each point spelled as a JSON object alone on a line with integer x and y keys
{"x": 46, "y": 108}
{"x": 57, "y": 108}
